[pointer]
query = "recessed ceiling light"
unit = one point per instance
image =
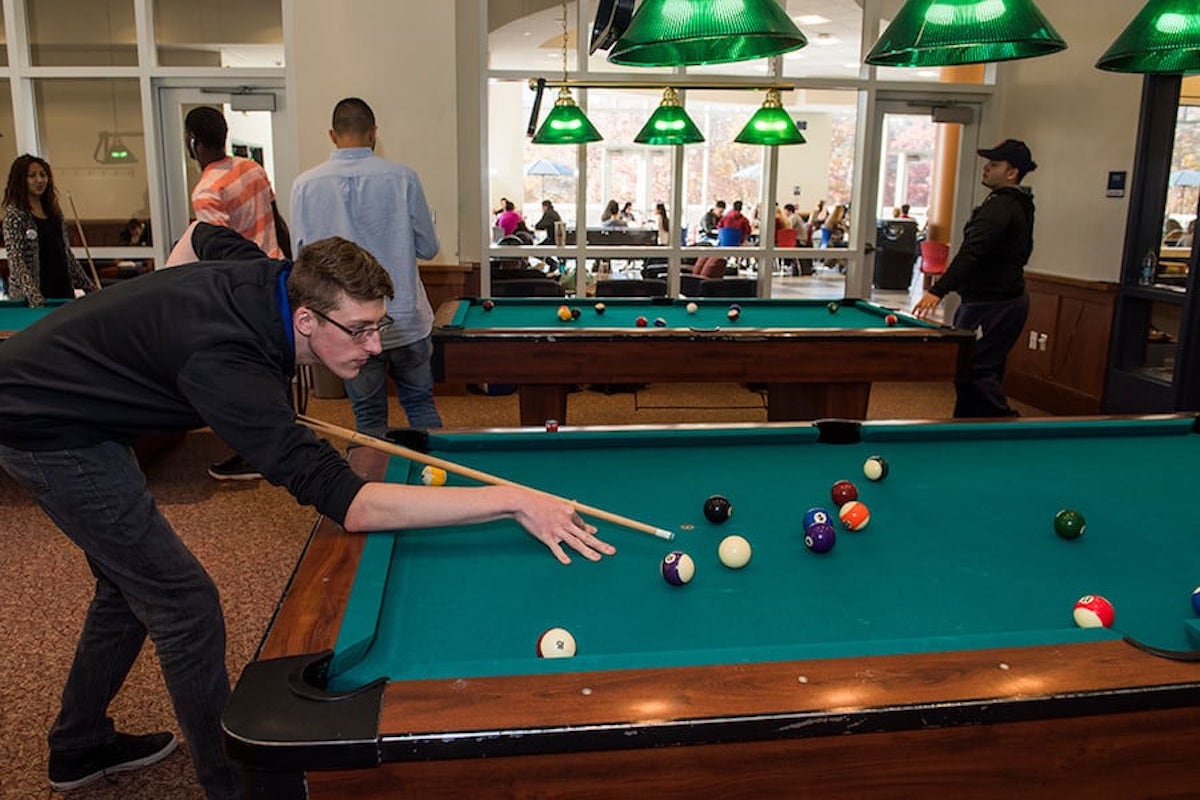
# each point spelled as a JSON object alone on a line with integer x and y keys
{"x": 927, "y": 73}
{"x": 811, "y": 19}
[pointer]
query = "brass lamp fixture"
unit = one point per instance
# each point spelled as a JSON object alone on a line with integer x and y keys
{"x": 676, "y": 33}
{"x": 669, "y": 124}
{"x": 771, "y": 124}
{"x": 1163, "y": 39}
{"x": 943, "y": 33}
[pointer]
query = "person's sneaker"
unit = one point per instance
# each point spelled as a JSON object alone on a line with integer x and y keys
{"x": 234, "y": 468}
{"x": 73, "y": 769}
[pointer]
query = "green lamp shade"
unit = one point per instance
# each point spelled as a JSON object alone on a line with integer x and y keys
{"x": 1164, "y": 38}
{"x": 669, "y": 124}
{"x": 946, "y": 33}
{"x": 770, "y": 125}
{"x": 566, "y": 124}
{"x": 673, "y": 33}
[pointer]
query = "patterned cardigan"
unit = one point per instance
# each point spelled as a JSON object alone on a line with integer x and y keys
{"x": 21, "y": 239}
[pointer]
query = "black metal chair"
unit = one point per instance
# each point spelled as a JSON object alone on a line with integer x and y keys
{"x": 527, "y": 287}
{"x": 729, "y": 287}
{"x": 631, "y": 288}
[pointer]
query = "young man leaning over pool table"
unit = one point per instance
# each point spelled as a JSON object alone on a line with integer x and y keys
{"x": 209, "y": 344}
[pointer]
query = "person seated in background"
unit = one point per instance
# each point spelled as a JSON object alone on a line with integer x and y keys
{"x": 508, "y": 218}
{"x": 711, "y": 219}
{"x": 522, "y": 232}
{"x": 737, "y": 220}
{"x": 611, "y": 218}
{"x": 546, "y": 223}
{"x": 134, "y": 234}
{"x": 627, "y": 216}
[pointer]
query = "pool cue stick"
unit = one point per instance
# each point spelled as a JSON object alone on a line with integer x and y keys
{"x": 86, "y": 250}
{"x": 385, "y": 446}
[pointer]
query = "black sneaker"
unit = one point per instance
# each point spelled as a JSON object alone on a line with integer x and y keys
{"x": 233, "y": 468}
{"x": 73, "y": 769}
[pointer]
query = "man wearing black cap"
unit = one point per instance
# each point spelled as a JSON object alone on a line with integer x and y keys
{"x": 989, "y": 275}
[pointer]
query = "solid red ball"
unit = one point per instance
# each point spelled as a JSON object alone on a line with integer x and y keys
{"x": 891, "y": 319}
{"x": 843, "y": 492}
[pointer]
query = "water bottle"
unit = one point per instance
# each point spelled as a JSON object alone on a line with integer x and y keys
{"x": 1149, "y": 269}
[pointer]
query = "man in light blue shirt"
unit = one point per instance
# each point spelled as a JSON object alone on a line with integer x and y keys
{"x": 380, "y": 206}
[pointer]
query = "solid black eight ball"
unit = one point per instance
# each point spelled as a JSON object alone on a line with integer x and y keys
{"x": 718, "y": 508}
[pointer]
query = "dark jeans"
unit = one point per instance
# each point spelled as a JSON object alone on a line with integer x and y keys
{"x": 147, "y": 582}
{"x": 409, "y": 367}
{"x": 998, "y": 325}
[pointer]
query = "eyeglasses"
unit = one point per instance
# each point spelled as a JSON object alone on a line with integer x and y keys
{"x": 359, "y": 335}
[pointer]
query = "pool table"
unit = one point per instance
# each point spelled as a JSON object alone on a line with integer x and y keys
{"x": 814, "y": 362}
{"x": 16, "y": 316}
{"x": 932, "y": 651}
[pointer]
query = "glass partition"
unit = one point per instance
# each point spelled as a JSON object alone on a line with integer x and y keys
{"x": 81, "y": 33}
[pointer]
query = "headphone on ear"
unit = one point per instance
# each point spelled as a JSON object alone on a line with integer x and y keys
{"x": 191, "y": 145}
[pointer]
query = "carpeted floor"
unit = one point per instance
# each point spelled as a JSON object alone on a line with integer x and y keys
{"x": 249, "y": 536}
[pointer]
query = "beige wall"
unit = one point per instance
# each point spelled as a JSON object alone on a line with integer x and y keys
{"x": 1081, "y": 123}
{"x": 400, "y": 58}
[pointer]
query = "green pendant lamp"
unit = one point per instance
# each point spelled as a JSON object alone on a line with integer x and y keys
{"x": 770, "y": 125}
{"x": 669, "y": 124}
{"x": 566, "y": 123}
{"x": 1163, "y": 39}
{"x": 675, "y": 33}
{"x": 946, "y": 33}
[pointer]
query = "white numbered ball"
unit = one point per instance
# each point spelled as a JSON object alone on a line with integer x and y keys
{"x": 734, "y": 552}
{"x": 556, "y": 643}
{"x": 691, "y": 308}
{"x": 875, "y": 468}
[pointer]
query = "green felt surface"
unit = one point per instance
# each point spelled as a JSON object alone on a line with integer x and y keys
{"x": 960, "y": 552}
{"x": 15, "y": 315}
{"x": 711, "y": 313}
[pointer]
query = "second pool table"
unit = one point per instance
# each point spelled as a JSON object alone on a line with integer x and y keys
{"x": 933, "y": 652}
{"x": 16, "y": 316}
{"x": 815, "y": 363}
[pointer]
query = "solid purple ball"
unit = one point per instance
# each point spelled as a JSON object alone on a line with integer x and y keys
{"x": 820, "y": 537}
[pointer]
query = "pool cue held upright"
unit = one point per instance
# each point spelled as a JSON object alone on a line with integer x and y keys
{"x": 86, "y": 250}
{"x": 385, "y": 446}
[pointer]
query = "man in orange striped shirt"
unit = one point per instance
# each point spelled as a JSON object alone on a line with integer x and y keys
{"x": 233, "y": 192}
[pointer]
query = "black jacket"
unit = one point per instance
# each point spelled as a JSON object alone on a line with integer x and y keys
{"x": 997, "y": 242}
{"x": 177, "y": 349}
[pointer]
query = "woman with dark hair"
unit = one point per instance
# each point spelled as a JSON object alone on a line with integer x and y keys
{"x": 40, "y": 261}
{"x": 664, "y": 224}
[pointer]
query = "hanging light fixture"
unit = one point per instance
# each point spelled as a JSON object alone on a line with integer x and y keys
{"x": 771, "y": 125}
{"x": 566, "y": 123}
{"x": 669, "y": 124}
{"x": 1164, "y": 38}
{"x": 675, "y": 33}
{"x": 944, "y": 33}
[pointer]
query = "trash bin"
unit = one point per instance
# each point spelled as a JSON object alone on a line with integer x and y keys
{"x": 895, "y": 253}
{"x": 325, "y": 384}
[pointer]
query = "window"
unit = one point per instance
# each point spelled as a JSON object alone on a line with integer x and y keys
{"x": 219, "y": 33}
{"x": 81, "y": 33}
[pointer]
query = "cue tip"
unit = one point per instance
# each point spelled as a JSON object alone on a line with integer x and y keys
{"x": 660, "y": 533}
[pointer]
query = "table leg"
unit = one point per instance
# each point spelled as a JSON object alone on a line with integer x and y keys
{"x": 790, "y": 402}
{"x": 540, "y": 402}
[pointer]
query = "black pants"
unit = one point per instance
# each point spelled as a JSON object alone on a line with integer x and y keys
{"x": 980, "y": 384}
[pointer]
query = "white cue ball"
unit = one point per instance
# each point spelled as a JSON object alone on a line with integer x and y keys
{"x": 556, "y": 643}
{"x": 734, "y": 552}
{"x": 691, "y": 308}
